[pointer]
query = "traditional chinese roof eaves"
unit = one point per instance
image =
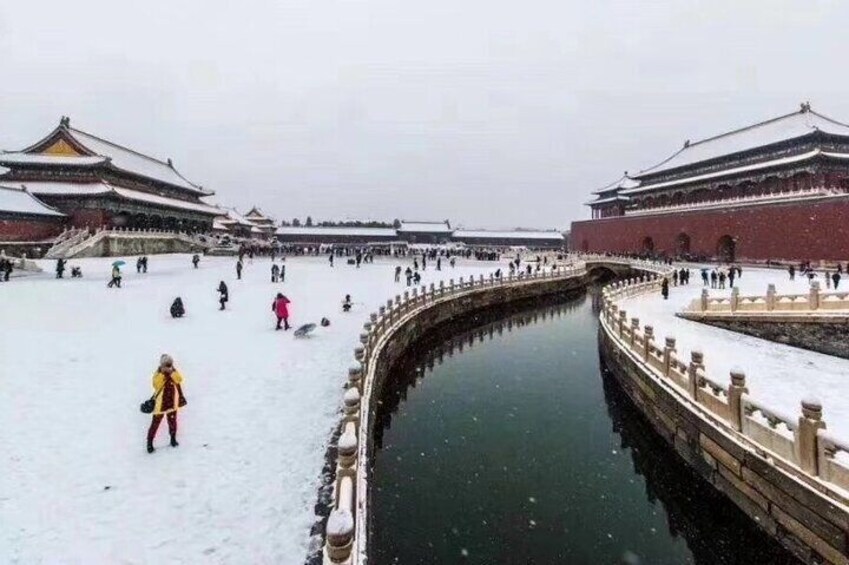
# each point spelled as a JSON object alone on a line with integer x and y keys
{"x": 102, "y": 188}
{"x": 739, "y": 170}
{"x": 606, "y": 200}
{"x": 117, "y": 156}
{"x": 783, "y": 128}
{"x": 18, "y": 158}
{"x": 20, "y": 201}
{"x": 623, "y": 183}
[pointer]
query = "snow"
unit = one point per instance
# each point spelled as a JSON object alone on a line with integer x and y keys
{"x": 778, "y": 376}
{"x": 17, "y": 201}
{"x": 41, "y": 159}
{"x": 340, "y": 522}
{"x": 624, "y": 182}
{"x": 785, "y": 127}
{"x": 342, "y": 231}
{"x": 77, "y": 485}
{"x": 71, "y": 188}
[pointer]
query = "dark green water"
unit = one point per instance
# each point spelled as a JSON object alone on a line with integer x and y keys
{"x": 506, "y": 443}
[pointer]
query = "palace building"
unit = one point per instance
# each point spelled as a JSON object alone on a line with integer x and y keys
{"x": 98, "y": 183}
{"x": 775, "y": 190}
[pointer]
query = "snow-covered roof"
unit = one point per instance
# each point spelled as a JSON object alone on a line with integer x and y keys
{"x": 614, "y": 198}
{"x": 513, "y": 234}
{"x": 19, "y": 201}
{"x": 738, "y": 170}
{"x": 231, "y": 216}
{"x": 102, "y": 187}
{"x": 133, "y": 161}
{"x": 257, "y": 217}
{"x": 623, "y": 183}
{"x": 17, "y": 158}
{"x": 429, "y": 227}
{"x": 67, "y": 188}
{"x": 219, "y": 225}
{"x": 338, "y": 231}
{"x": 97, "y": 151}
{"x": 164, "y": 201}
{"x": 782, "y": 128}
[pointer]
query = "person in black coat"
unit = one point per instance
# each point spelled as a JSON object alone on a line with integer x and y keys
{"x": 60, "y": 268}
{"x": 195, "y": 260}
{"x": 177, "y": 308}
{"x": 239, "y": 269}
{"x": 664, "y": 288}
{"x": 224, "y": 294}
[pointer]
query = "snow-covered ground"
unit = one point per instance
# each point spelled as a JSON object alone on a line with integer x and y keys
{"x": 76, "y": 484}
{"x": 778, "y": 376}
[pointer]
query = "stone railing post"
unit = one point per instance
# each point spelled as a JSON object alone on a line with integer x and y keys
{"x": 648, "y": 337}
{"x": 704, "y": 300}
{"x": 451, "y": 284}
{"x": 814, "y": 296}
{"x": 696, "y": 362}
{"x": 623, "y": 321}
{"x": 736, "y": 390}
{"x": 462, "y": 282}
{"x": 806, "y": 435}
{"x": 735, "y": 298}
{"x": 442, "y": 287}
{"x": 770, "y": 297}
{"x": 668, "y": 350}
{"x": 635, "y": 325}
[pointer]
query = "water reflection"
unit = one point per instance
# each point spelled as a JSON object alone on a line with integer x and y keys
{"x": 494, "y": 446}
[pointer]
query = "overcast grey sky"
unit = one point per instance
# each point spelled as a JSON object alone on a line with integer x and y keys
{"x": 489, "y": 113}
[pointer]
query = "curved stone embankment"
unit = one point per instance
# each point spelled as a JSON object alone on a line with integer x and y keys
{"x": 786, "y": 473}
{"x": 386, "y": 337}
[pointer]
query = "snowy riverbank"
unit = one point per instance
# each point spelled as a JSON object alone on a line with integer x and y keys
{"x": 77, "y": 485}
{"x": 778, "y": 376}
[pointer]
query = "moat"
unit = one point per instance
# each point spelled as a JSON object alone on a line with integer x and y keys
{"x": 504, "y": 442}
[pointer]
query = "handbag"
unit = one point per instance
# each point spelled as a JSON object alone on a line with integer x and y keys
{"x": 148, "y": 405}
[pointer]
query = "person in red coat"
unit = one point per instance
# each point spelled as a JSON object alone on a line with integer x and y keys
{"x": 167, "y": 382}
{"x": 281, "y": 310}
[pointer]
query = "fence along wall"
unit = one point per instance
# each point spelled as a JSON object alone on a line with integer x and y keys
{"x": 785, "y": 472}
{"x": 386, "y": 336}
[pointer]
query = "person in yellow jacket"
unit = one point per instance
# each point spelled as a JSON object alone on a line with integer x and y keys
{"x": 167, "y": 384}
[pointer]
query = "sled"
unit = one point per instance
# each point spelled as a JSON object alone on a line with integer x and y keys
{"x": 304, "y": 330}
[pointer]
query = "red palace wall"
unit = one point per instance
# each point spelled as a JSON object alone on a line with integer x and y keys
{"x": 89, "y": 218}
{"x": 797, "y": 231}
{"x": 30, "y": 229}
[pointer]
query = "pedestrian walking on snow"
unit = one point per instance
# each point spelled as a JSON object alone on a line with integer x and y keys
{"x": 116, "y": 277}
{"x": 331, "y": 258}
{"x": 223, "y": 294}
{"x": 664, "y": 288}
{"x": 168, "y": 397}
{"x": 60, "y": 268}
{"x": 283, "y": 272}
{"x": 275, "y": 273}
{"x": 239, "y": 269}
{"x": 177, "y": 308}
{"x": 835, "y": 278}
{"x": 281, "y": 310}
{"x": 195, "y": 260}
{"x": 398, "y": 273}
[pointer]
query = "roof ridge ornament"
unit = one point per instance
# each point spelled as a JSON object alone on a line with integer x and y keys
{"x": 65, "y": 121}
{"x": 805, "y": 107}
{"x": 686, "y": 143}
